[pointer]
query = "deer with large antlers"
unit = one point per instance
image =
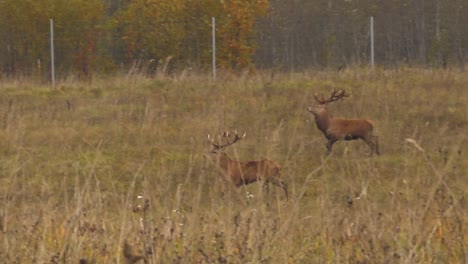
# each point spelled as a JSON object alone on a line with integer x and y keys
{"x": 336, "y": 129}
{"x": 243, "y": 173}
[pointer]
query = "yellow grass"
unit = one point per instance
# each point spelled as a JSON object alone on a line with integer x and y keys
{"x": 91, "y": 165}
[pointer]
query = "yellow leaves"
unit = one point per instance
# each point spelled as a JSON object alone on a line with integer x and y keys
{"x": 152, "y": 29}
{"x": 155, "y": 29}
{"x": 237, "y": 31}
{"x": 88, "y": 32}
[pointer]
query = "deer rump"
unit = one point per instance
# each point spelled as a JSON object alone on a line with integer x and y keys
{"x": 243, "y": 173}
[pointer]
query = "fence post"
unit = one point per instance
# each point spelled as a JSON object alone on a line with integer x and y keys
{"x": 213, "y": 22}
{"x": 372, "y": 42}
{"x": 52, "y": 59}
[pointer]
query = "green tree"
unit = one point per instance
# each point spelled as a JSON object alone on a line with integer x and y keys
{"x": 197, "y": 16}
{"x": 151, "y": 30}
{"x": 24, "y": 34}
{"x": 156, "y": 30}
{"x": 78, "y": 28}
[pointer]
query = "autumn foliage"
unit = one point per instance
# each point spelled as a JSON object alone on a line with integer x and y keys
{"x": 24, "y": 35}
{"x": 237, "y": 30}
{"x": 109, "y": 36}
{"x": 155, "y": 30}
{"x": 99, "y": 35}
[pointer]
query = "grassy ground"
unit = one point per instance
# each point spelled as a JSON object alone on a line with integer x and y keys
{"x": 112, "y": 170}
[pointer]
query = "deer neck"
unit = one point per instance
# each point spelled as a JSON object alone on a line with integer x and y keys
{"x": 323, "y": 121}
{"x": 223, "y": 161}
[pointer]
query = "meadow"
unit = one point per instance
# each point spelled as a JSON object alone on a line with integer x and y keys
{"x": 111, "y": 170}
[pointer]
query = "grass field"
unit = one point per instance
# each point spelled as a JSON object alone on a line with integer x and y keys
{"x": 112, "y": 170}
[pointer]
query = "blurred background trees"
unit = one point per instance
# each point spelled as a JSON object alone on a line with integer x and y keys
{"x": 100, "y": 36}
{"x": 333, "y": 33}
{"x": 24, "y": 35}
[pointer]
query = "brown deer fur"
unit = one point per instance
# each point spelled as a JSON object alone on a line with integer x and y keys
{"x": 244, "y": 173}
{"x": 336, "y": 129}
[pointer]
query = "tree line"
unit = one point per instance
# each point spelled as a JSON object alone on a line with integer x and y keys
{"x": 104, "y": 36}
{"x": 335, "y": 33}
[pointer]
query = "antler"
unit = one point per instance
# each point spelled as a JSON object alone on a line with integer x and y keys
{"x": 226, "y": 135}
{"x": 335, "y": 95}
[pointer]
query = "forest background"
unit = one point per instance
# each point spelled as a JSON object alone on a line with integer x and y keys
{"x": 106, "y": 36}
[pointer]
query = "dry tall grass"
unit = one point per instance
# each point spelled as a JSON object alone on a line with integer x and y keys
{"x": 112, "y": 170}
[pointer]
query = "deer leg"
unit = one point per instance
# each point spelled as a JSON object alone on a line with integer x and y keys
{"x": 280, "y": 183}
{"x": 376, "y": 144}
{"x": 372, "y": 141}
{"x": 330, "y": 143}
{"x": 266, "y": 188}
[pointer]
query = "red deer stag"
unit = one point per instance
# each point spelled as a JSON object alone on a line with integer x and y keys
{"x": 243, "y": 173}
{"x": 336, "y": 129}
